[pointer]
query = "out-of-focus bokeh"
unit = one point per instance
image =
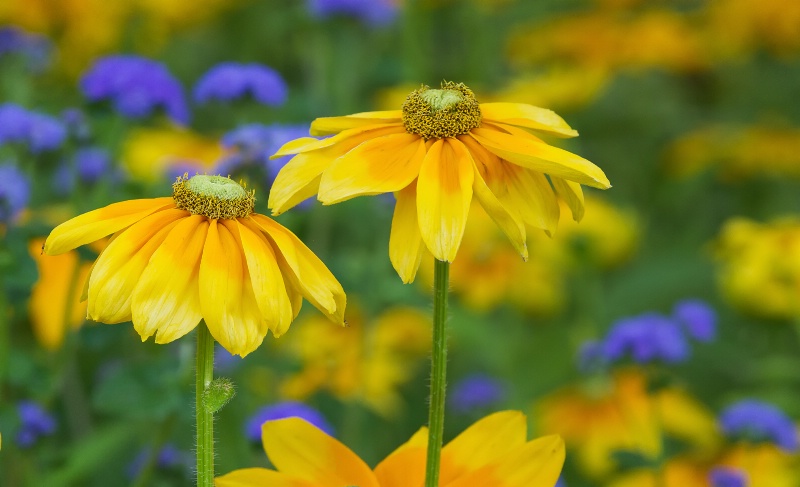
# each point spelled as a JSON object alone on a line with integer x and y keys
{"x": 660, "y": 336}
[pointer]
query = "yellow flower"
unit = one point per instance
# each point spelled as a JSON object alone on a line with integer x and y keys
{"x": 148, "y": 152}
{"x": 492, "y": 452}
{"x": 677, "y": 472}
{"x": 202, "y": 254}
{"x": 442, "y": 148}
{"x": 764, "y": 464}
{"x": 360, "y": 362}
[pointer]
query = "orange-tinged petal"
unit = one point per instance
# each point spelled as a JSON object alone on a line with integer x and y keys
{"x": 541, "y": 157}
{"x": 444, "y": 193}
{"x": 268, "y": 285}
{"x": 531, "y": 195}
{"x": 259, "y": 477}
{"x": 308, "y": 274}
{"x": 380, "y": 165}
{"x": 572, "y": 194}
{"x": 334, "y": 125}
{"x": 167, "y": 297}
{"x": 359, "y": 134}
{"x": 300, "y": 449}
{"x": 405, "y": 467}
{"x": 96, "y": 224}
{"x": 405, "y": 243}
{"x": 118, "y": 268}
{"x": 528, "y": 116}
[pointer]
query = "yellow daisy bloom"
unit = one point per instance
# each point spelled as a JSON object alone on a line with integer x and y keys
{"x": 494, "y": 451}
{"x": 201, "y": 254}
{"x": 435, "y": 154}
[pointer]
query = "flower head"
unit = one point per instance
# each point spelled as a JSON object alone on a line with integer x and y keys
{"x": 202, "y": 254}
{"x": 372, "y": 12}
{"x": 727, "y": 477}
{"x": 493, "y": 451}
{"x": 435, "y": 154}
{"x": 15, "y": 191}
{"x": 646, "y": 338}
{"x": 253, "y": 144}
{"x": 36, "y": 131}
{"x": 759, "y": 421}
{"x": 230, "y": 82}
{"x": 35, "y": 422}
{"x": 137, "y": 87}
{"x": 281, "y": 410}
{"x": 478, "y": 391}
{"x": 34, "y": 49}
{"x": 697, "y": 318}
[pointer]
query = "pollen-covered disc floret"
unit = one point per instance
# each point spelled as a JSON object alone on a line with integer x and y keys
{"x": 447, "y": 112}
{"x": 216, "y": 197}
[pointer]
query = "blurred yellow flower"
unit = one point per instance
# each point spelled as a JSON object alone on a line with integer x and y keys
{"x": 563, "y": 88}
{"x": 494, "y": 451}
{"x": 365, "y": 362}
{"x": 621, "y": 415}
{"x": 147, "y": 153}
{"x": 677, "y": 472}
{"x": 765, "y": 464}
{"x": 739, "y": 27}
{"x": 759, "y": 266}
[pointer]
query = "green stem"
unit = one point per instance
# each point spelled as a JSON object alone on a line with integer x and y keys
{"x": 205, "y": 419}
{"x": 438, "y": 373}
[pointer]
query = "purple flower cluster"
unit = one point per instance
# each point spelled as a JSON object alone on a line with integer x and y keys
{"x": 253, "y": 145}
{"x": 136, "y": 87}
{"x": 35, "y": 422}
{"x": 37, "y": 131}
{"x": 476, "y": 392}
{"x": 33, "y": 48}
{"x": 230, "y": 82}
{"x": 89, "y": 165}
{"x": 698, "y": 319}
{"x": 285, "y": 409}
{"x": 15, "y": 191}
{"x": 727, "y": 477}
{"x": 759, "y": 421}
{"x": 372, "y": 12}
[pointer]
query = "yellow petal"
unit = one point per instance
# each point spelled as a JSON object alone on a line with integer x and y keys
{"x": 541, "y": 157}
{"x": 444, "y": 193}
{"x": 359, "y": 135}
{"x": 405, "y": 466}
{"x": 528, "y": 116}
{"x": 96, "y": 224}
{"x": 572, "y": 194}
{"x": 268, "y": 285}
{"x": 405, "y": 243}
{"x": 381, "y": 165}
{"x": 259, "y": 477}
{"x": 167, "y": 297}
{"x": 308, "y": 274}
{"x": 334, "y": 125}
{"x": 119, "y": 267}
{"x": 300, "y": 449}
{"x": 484, "y": 442}
{"x": 531, "y": 195}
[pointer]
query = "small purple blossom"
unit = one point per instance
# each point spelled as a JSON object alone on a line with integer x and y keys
{"x": 727, "y": 477}
{"x": 372, "y": 12}
{"x": 92, "y": 163}
{"x": 35, "y": 422}
{"x": 137, "y": 87}
{"x": 77, "y": 124}
{"x": 230, "y": 82}
{"x": 33, "y": 48}
{"x": 168, "y": 457}
{"x": 759, "y": 421}
{"x": 285, "y": 409}
{"x": 37, "y": 131}
{"x": 15, "y": 192}
{"x": 253, "y": 144}
{"x": 591, "y": 357}
{"x": 646, "y": 338}
{"x": 477, "y": 391}
{"x": 698, "y": 319}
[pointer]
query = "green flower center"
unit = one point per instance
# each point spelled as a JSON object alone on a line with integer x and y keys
{"x": 215, "y": 197}
{"x": 435, "y": 114}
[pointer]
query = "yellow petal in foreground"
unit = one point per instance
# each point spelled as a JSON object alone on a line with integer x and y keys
{"x": 405, "y": 243}
{"x": 527, "y": 116}
{"x": 334, "y": 125}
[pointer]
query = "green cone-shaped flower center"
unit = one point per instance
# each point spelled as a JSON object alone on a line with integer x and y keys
{"x": 213, "y": 196}
{"x": 448, "y": 112}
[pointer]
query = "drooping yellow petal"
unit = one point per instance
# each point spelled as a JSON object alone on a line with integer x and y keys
{"x": 334, "y": 125}
{"x": 167, "y": 297}
{"x": 405, "y": 466}
{"x": 405, "y": 243}
{"x": 359, "y": 134}
{"x": 259, "y": 477}
{"x": 484, "y": 442}
{"x": 308, "y": 273}
{"x": 119, "y": 267}
{"x": 380, "y": 165}
{"x": 541, "y": 157}
{"x": 528, "y": 116}
{"x": 268, "y": 284}
{"x": 572, "y": 194}
{"x": 444, "y": 193}
{"x": 531, "y": 195}
{"x": 96, "y": 224}
{"x": 300, "y": 449}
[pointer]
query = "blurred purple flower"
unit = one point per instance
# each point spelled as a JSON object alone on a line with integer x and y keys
{"x": 35, "y": 422}
{"x": 759, "y": 421}
{"x": 727, "y": 477}
{"x": 646, "y": 338}
{"x": 698, "y": 319}
{"x": 477, "y": 391}
{"x": 232, "y": 82}
{"x": 254, "y": 144}
{"x": 224, "y": 361}
{"x": 92, "y": 163}
{"x": 285, "y": 409}
{"x": 37, "y": 131}
{"x": 77, "y": 124}
{"x": 591, "y": 357}
{"x": 13, "y": 124}
{"x": 168, "y": 457}
{"x": 15, "y": 191}
{"x": 137, "y": 87}
{"x": 186, "y": 166}
{"x": 33, "y": 48}
{"x": 373, "y": 12}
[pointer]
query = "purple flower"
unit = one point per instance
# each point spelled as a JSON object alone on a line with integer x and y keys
{"x": 591, "y": 357}
{"x": 646, "y": 338}
{"x": 77, "y": 124}
{"x": 37, "y": 131}
{"x": 168, "y": 457}
{"x": 137, "y": 87}
{"x": 33, "y": 48}
{"x": 477, "y": 391}
{"x": 15, "y": 191}
{"x": 232, "y": 82}
{"x": 35, "y": 422}
{"x": 14, "y": 123}
{"x": 373, "y": 12}
{"x": 759, "y": 421}
{"x": 92, "y": 163}
{"x": 285, "y": 409}
{"x": 727, "y": 477}
{"x": 254, "y": 144}
{"x": 698, "y": 319}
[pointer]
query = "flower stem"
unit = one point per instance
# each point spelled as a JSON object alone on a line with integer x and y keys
{"x": 438, "y": 373}
{"x": 205, "y": 418}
